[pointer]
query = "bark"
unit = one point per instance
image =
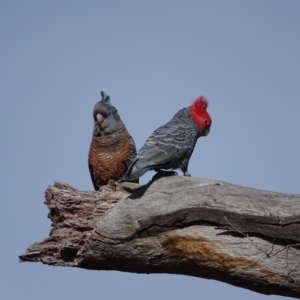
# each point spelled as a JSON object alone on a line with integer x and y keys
{"x": 180, "y": 225}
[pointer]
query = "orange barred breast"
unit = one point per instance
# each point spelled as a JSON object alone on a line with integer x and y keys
{"x": 107, "y": 163}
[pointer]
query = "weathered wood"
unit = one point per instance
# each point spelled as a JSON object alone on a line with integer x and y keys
{"x": 246, "y": 237}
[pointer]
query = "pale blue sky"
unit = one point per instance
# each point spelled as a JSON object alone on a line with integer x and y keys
{"x": 153, "y": 58}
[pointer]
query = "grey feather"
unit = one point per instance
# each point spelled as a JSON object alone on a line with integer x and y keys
{"x": 168, "y": 147}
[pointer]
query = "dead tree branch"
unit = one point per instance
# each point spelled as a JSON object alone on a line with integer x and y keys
{"x": 246, "y": 237}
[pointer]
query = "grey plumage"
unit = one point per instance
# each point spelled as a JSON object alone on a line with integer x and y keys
{"x": 168, "y": 147}
{"x": 112, "y": 148}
